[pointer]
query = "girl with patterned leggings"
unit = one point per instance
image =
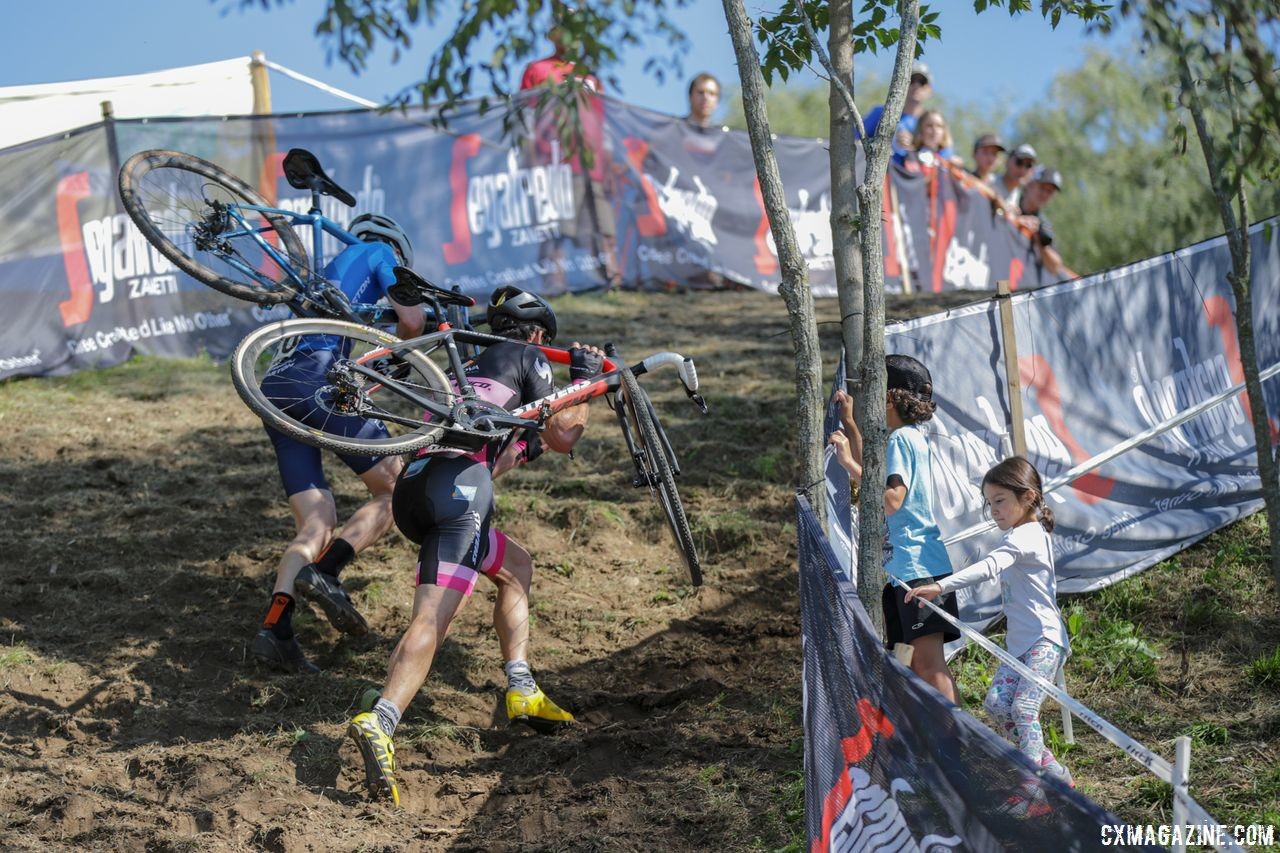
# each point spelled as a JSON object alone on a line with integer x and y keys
{"x": 1036, "y": 636}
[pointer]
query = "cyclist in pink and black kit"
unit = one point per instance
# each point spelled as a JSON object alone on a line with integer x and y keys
{"x": 443, "y": 501}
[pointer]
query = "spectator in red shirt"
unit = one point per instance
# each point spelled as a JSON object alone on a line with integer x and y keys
{"x": 593, "y": 227}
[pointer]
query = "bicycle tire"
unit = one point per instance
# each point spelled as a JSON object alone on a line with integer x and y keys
{"x": 324, "y": 417}
{"x": 657, "y": 469}
{"x": 167, "y": 194}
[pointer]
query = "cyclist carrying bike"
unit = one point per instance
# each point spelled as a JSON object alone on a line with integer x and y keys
{"x": 313, "y": 560}
{"x": 444, "y": 502}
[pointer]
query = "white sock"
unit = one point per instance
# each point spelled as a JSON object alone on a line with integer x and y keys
{"x": 519, "y": 676}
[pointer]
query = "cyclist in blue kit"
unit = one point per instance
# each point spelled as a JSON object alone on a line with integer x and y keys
{"x": 313, "y": 560}
{"x": 444, "y": 502}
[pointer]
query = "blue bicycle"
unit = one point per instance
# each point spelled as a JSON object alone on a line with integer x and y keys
{"x": 219, "y": 230}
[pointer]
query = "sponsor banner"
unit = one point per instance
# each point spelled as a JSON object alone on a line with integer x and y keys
{"x": 486, "y": 202}
{"x": 1101, "y": 360}
{"x": 890, "y": 765}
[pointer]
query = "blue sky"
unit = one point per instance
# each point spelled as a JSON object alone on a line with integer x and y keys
{"x": 987, "y": 57}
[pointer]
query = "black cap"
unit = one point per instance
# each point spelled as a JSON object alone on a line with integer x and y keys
{"x": 988, "y": 140}
{"x": 908, "y": 374}
{"x": 1047, "y": 175}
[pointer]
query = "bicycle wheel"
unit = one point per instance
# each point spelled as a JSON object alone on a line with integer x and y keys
{"x": 299, "y": 376}
{"x": 190, "y": 210}
{"x": 650, "y": 448}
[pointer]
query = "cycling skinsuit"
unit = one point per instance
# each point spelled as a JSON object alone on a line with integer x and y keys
{"x": 444, "y": 502}
{"x": 363, "y": 271}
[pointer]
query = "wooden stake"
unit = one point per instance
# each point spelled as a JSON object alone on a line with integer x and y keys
{"x": 904, "y": 652}
{"x": 261, "y": 84}
{"x": 896, "y": 216}
{"x": 1017, "y": 427}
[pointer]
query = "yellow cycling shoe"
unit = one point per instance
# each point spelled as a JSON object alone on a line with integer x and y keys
{"x": 536, "y": 710}
{"x": 379, "y": 755}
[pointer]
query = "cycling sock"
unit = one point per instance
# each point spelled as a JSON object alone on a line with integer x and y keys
{"x": 388, "y": 716}
{"x": 334, "y": 558}
{"x": 279, "y": 618}
{"x": 520, "y": 677}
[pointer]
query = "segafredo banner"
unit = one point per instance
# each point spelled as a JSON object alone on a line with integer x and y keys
{"x": 651, "y": 202}
{"x": 1102, "y": 360}
{"x": 889, "y": 765}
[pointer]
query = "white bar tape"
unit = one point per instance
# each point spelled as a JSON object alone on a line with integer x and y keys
{"x": 1148, "y": 759}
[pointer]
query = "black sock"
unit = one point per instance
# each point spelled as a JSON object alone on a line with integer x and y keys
{"x": 279, "y": 618}
{"x": 335, "y": 557}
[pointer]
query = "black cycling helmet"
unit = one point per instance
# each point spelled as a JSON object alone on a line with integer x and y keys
{"x": 509, "y": 306}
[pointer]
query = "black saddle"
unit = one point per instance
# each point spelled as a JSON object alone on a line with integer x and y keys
{"x": 302, "y": 171}
{"x": 412, "y": 289}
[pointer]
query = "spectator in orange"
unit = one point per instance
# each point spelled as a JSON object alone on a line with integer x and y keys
{"x": 704, "y": 100}
{"x": 1040, "y": 190}
{"x": 986, "y": 153}
{"x": 1016, "y": 172}
{"x": 593, "y": 227}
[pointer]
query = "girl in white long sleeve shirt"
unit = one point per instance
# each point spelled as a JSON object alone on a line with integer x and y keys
{"x": 1023, "y": 562}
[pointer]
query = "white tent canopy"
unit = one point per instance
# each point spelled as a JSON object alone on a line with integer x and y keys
{"x": 214, "y": 88}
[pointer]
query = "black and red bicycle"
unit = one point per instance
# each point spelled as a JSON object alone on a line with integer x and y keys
{"x": 405, "y": 386}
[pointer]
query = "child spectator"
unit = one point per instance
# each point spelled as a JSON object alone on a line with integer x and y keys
{"x": 931, "y": 143}
{"x": 986, "y": 153}
{"x": 1016, "y": 171}
{"x": 913, "y": 549}
{"x": 1036, "y": 635}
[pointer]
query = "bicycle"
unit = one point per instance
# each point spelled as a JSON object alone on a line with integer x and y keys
{"x": 219, "y": 230}
{"x": 399, "y": 384}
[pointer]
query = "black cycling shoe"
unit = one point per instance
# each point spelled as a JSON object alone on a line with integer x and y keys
{"x": 326, "y": 591}
{"x": 282, "y": 654}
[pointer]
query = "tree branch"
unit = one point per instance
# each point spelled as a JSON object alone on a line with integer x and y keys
{"x": 826, "y": 63}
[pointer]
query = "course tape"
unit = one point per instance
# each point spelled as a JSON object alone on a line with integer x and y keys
{"x": 1161, "y": 768}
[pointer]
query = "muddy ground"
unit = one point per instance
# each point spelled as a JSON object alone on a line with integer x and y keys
{"x": 140, "y": 521}
{"x": 142, "y": 518}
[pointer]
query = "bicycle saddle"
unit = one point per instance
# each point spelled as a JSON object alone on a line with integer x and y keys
{"x": 412, "y": 289}
{"x": 302, "y": 171}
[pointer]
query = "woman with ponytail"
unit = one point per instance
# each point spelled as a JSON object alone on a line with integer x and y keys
{"x": 1036, "y": 636}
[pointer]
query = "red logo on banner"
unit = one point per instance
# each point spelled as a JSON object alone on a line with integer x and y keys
{"x": 892, "y": 268}
{"x": 855, "y": 749}
{"x": 943, "y": 231}
{"x": 76, "y": 308}
{"x": 766, "y": 263}
{"x": 1015, "y": 273}
{"x": 1036, "y": 374}
{"x": 1220, "y": 316}
{"x": 458, "y": 249}
{"x": 652, "y": 222}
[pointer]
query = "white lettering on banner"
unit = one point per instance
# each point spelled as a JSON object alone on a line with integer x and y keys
{"x": 527, "y": 203}
{"x": 370, "y": 198}
{"x": 153, "y": 327}
{"x": 1214, "y": 435}
{"x": 813, "y": 231}
{"x": 965, "y": 270}
{"x": 1186, "y": 834}
{"x": 689, "y": 211}
{"x": 961, "y": 460}
{"x": 118, "y": 254}
{"x": 872, "y": 820}
{"x": 31, "y": 359}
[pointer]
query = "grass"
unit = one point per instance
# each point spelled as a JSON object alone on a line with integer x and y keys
{"x": 15, "y": 656}
{"x": 1265, "y": 671}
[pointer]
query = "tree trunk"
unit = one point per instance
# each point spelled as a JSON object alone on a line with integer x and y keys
{"x": 845, "y": 248}
{"x": 870, "y": 396}
{"x": 1238, "y": 240}
{"x": 795, "y": 274}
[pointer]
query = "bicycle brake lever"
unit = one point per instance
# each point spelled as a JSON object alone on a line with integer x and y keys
{"x": 697, "y": 399}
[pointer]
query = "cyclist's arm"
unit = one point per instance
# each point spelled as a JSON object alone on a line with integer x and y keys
{"x": 410, "y": 320}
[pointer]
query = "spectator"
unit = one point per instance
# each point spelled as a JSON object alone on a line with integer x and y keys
{"x": 593, "y": 227}
{"x": 918, "y": 91}
{"x": 931, "y": 143}
{"x": 986, "y": 153}
{"x": 1042, "y": 188}
{"x": 704, "y": 99}
{"x": 1016, "y": 172}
